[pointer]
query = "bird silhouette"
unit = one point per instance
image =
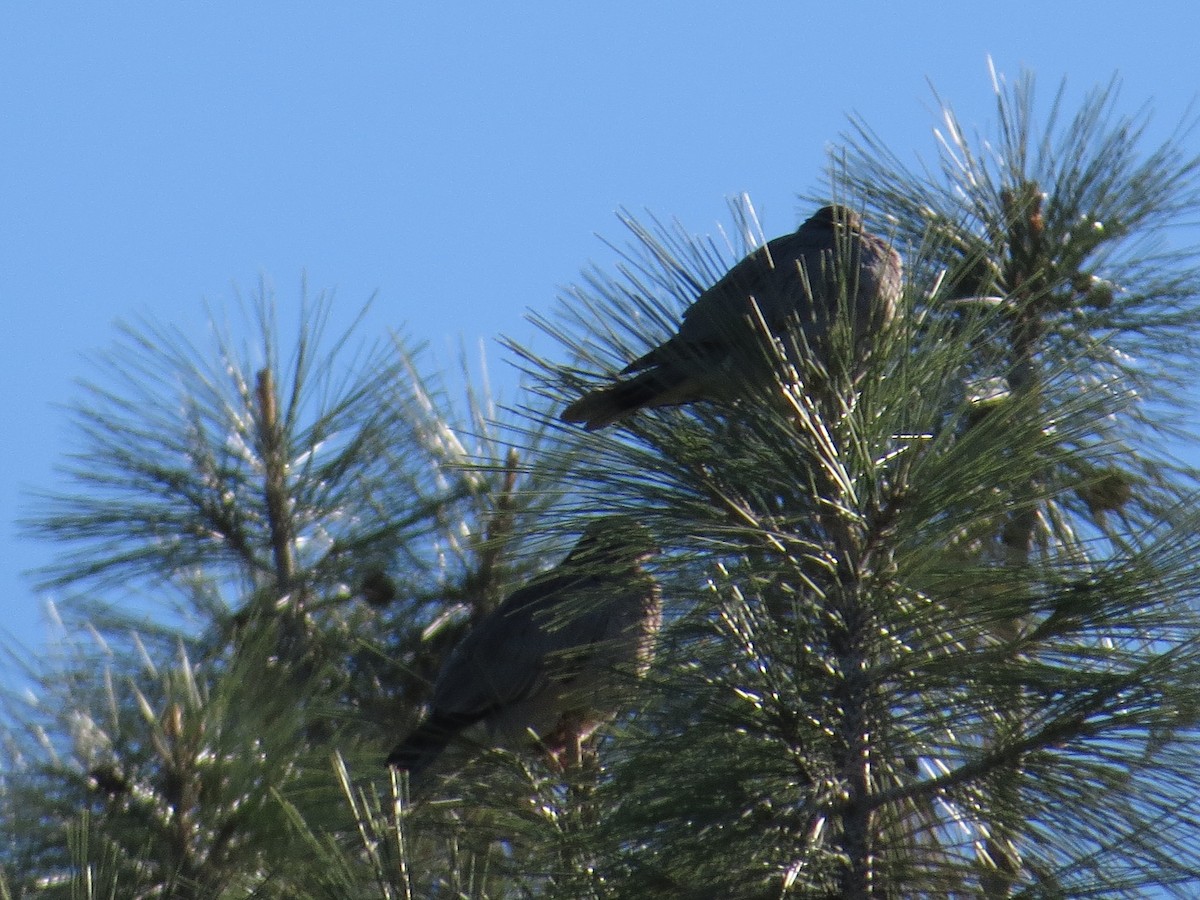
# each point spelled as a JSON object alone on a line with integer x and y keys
{"x": 549, "y": 662}
{"x": 803, "y": 277}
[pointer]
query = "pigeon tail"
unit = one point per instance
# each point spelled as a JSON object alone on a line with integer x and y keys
{"x": 415, "y": 753}
{"x": 660, "y": 386}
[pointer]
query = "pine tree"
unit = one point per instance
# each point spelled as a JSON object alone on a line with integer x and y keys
{"x": 935, "y": 636}
{"x": 310, "y": 528}
{"x": 932, "y": 625}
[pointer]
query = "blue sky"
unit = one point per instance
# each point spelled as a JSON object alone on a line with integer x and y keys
{"x": 455, "y": 160}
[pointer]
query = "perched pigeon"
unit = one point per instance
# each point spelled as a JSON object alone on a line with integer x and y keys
{"x": 803, "y": 276}
{"x": 550, "y": 660}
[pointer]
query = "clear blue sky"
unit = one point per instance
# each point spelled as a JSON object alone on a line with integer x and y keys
{"x": 457, "y": 159}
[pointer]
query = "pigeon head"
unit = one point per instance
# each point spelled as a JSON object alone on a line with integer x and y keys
{"x": 614, "y": 539}
{"x": 836, "y": 215}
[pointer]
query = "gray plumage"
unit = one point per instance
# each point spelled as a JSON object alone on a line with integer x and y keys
{"x": 801, "y": 277}
{"x": 552, "y": 657}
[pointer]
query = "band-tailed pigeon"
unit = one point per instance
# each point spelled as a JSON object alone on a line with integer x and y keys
{"x": 550, "y": 661}
{"x": 804, "y": 275}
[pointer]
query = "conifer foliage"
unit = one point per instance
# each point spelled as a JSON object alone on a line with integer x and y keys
{"x": 930, "y": 614}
